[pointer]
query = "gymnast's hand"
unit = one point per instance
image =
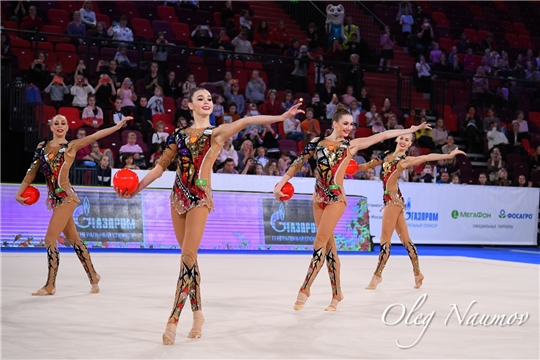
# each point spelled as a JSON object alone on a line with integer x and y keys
{"x": 456, "y": 152}
{"x": 125, "y": 194}
{"x": 424, "y": 125}
{"x": 278, "y": 194}
{"x": 122, "y": 122}
{"x": 291, "y": 113}
{"x": 22, "y": 200}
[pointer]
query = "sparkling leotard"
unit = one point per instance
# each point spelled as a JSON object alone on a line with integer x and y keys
{"x": 55, "y": 163}
{"x": 191, "y": 150}
{"x": 329, "y": 171}
{"x": 390, "y": 175}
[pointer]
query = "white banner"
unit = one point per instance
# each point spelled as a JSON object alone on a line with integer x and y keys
{"x": 435, "y": 213}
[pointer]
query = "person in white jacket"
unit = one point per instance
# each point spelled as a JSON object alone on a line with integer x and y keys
{"x": 495, "y": 136}
{"x": 80, "y": 92}
{"x": 88, "y": 16}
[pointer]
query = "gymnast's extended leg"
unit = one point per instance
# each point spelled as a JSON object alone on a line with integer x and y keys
{"x": 389, "y": 221}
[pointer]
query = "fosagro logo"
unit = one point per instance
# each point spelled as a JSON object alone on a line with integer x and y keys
{"x": 502, "y": 214}
{"x": 517, "y": 216}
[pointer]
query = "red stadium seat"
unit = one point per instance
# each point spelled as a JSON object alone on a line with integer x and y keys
{"x": 59, "y": 18}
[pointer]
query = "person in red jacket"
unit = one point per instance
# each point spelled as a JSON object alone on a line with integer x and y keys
{"x": 280, "y": 37}
{"x": 262, "y": 35}
{"x": 92, "y": 115}
{"x": 271, "y": 106}
{"x": 31, "y": 21}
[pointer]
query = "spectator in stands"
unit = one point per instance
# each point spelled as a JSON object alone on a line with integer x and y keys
{"x": 488, "y": 43}
{"x": 515, "y": 139}
{"x": 522, "y": 182}
{"x": 535, "y": 160}
{"x": 131, "y": 147}
{"x": 319, "y": 110}
{"x": 480, "y": 88}
{"x": 231, "y": 112}
{"x": 504, "y": 65}
{"x": 227, "y": 15}
{"x": 494, "y": 164}
{"x": 57, "y": 88}
{"x": 221, "y": 84}
{"x": 312, "y": 38}
{"x": 482, "y": 179}
{"x": 435, "y": 54}
{"x": 259, "y": 169}
{"x": 336, "y": 52}
{"x": 280, "y": 37}
{"x": 161, "y": 51}
{"x": 255, "y": 88}
{"x": 455, "y": 67}
{"x": 487, "y": 63}
{"x": 445, "y": 178}
{"x": 355, "y": 74}
{"x": 88, "y": 16}
{"x": 233, "y": 95}
{"x": 261, "y": 157}
{"x": 363, "y": 99}
{"x": 183, "y": 111}
{"x": 143, "y": 116}
{"x": 77, "y": 29}
{"x": 228, "y": 167}
{"x": 121, "y": 33}
{"x": 450, "y": 145}
{"x": 531, "y": 73}
{"x": 492, "y": 118}
{"x": 227, "y": 153}
{"x": 331, "y": 108}
{"x": 355, "y": 110}
{"x": 386, "y": 109}
{"x": 387, "y": 42}
{"x": 271, "y": 168}
{"x": 468, "y": 60}
{"x": 38, "y": 73}
{"x": 128, "y": 162}
{"x": 424, "y": 75}
{"x": 424, "y": 137}
{"x": 455, "y": 180}
{"x": 80, "y": 91}
{"x": 128, "y": 95}
{"x": 310, "y": 126}
{"x": 172, "y": 87}
{"x": 245, "y": 153}
{"x": 80, "y": 69}
{"x": 116, "y": 78}
{"x": 153, "y": 79}
{"x": 440, "y": 134}
{"x": 262, "y": 35}
{"x": 18, "y": 11}
{"x": 453, "y": 53}
{"x": 97, "y": 154}
{"x": 117, "y": 114}
{"x": 371, "y": 115}
{"x": 425, "y": 38}
{"x": 202, "y": 37}
{"x": 8, "y": 58}
{"x": 464, "y": 45}
{"x": 83, "y": 154}
{"x": 331, "y": 75}
{"x": 271, "y": 106}
{"x": 103, "y": 171}
{"x": 348, "y": 97}
{"x": 243, "y": 45}
{"x": 350, "y": 29}
{"x": 121, "y": 57}
{"x": 327, "y": 92}
{"x": 293, "y": 129}
{"x": 288, "y": 100}
{"x": 270, "y": 138}
{"x": 411, "y": 120}
{"x": 221, "y": 42}
{"x": 370, "y": 175}
{"x": 244, "y": 20}
{"x": 156, "y": 102}
{"x": 219, "y": 110}
{"x": 472, "y": 129}
{"x": 299, "y": 74}
{"x": 496, "y": 138}
{"x": 104, "y": 92}
{"x": 392, "y": 123}
{"x": 92, "y": 115}
{"x": 284, "y": 162}
{"x": 523, "y": 126}
{"x": 503, "y": 178}
{"x": 31, "y": 22}
{"x": 294, "y": 50}
{"x": 403, "y": 7}
{"x": 406, "y": 21}
{"x": 101, "y": 33}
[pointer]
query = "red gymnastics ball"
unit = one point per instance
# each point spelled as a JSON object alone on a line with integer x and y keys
{"x": 352, "y": 168}
{"x": 31, "y": 194}
{"x": 126, "y": 181}
{"x": 288, "y": 191}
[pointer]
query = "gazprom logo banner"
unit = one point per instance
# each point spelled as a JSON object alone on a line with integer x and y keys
{"x": 105, "y": 217}
{"x": 289, "y": 222}
{"x": 419, "y": 217}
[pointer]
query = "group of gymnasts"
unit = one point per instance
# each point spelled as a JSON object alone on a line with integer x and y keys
{"x": 194, "y": 150}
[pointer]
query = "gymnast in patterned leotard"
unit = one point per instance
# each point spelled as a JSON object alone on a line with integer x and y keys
{"x": 333, "y": 155}
{"x": 393, "y": 164}
{"x": 194, "y": 150}
{"x": 55, "y": 158}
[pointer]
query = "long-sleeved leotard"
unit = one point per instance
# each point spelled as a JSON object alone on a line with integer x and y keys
{"x": 329, "y": 171}
{"x": 191, "y": 149}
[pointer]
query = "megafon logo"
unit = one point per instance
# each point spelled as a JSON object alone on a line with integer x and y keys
{"x": 423, "y": 216}
{"x": 518, "y": 216}
{"x": 467, "y": 214}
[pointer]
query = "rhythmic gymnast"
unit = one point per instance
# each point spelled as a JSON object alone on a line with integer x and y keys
{"x": 55, "y": 158}
{"x": 329, "y": 202}
{"x": 393, "y": 164}
{"x": 194, "y": 149}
